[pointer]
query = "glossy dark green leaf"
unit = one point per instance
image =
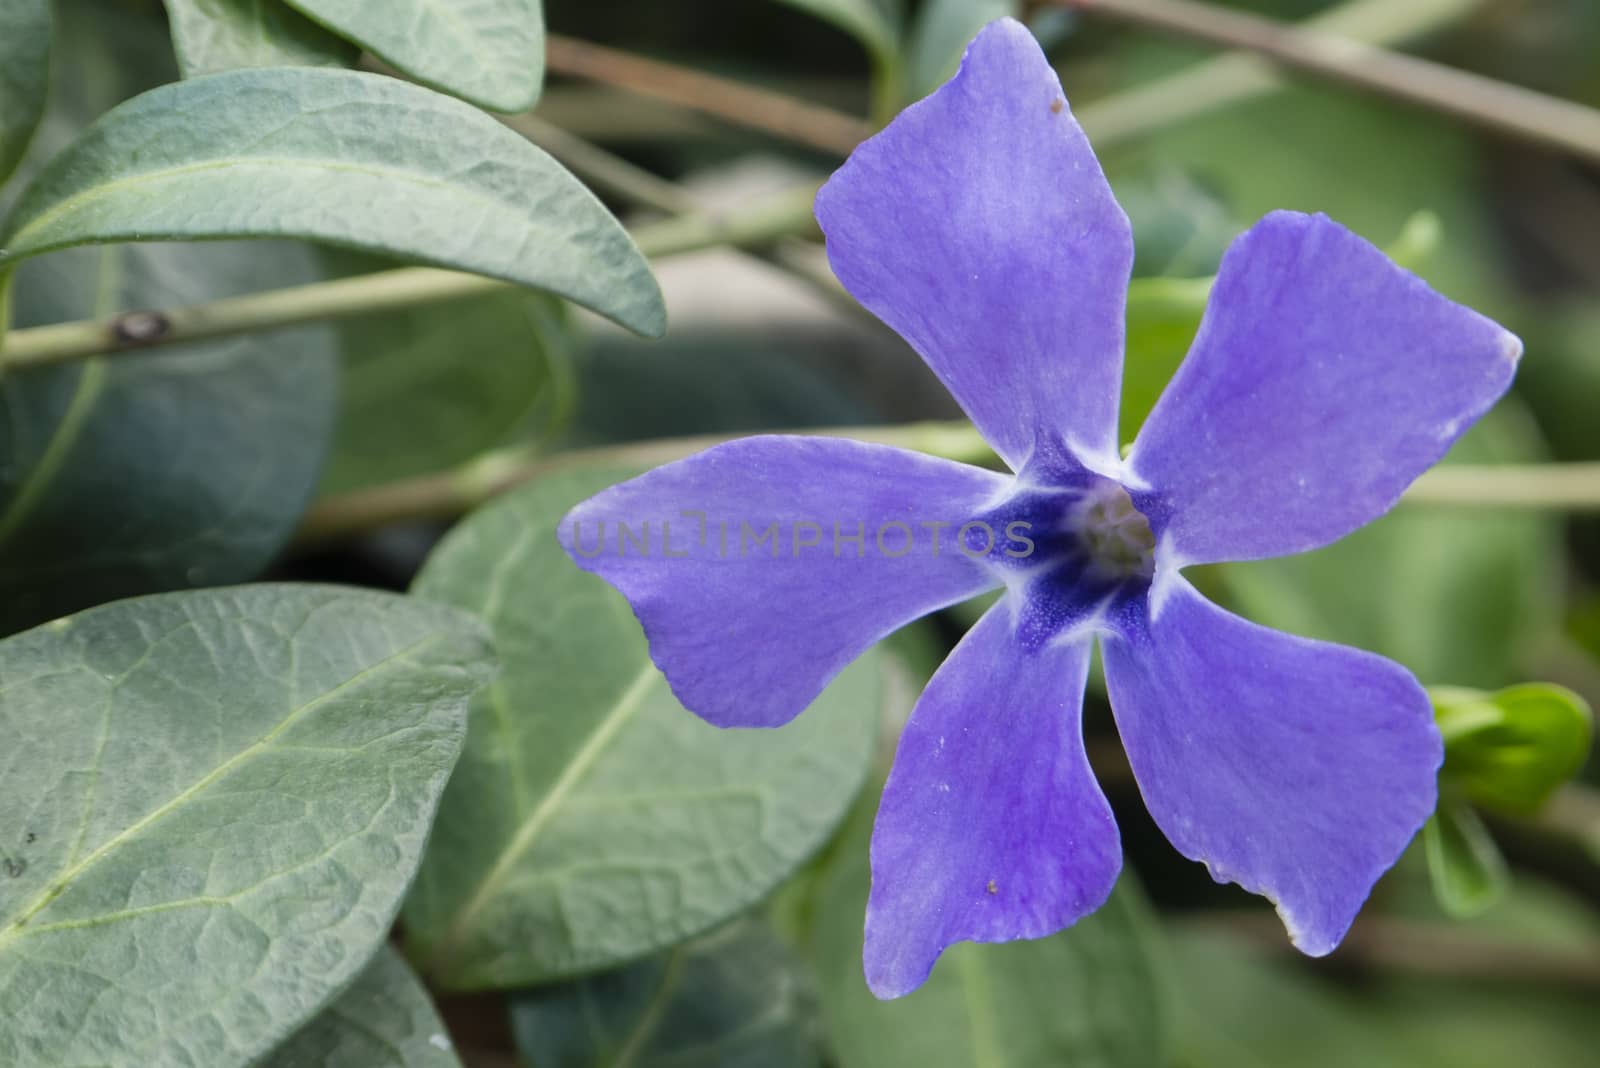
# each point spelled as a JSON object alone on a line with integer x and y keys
{"x": 490, "y": 52}
{"x": 1466, "y": 867}
{"x": 433, "y": 386}
{"x": 1511, "y": 749}
{"x": 732, "y": 998}
{"x": 218, "y": 35}
{"x": 213, "y": 803}
{"x": 593, "y": 819}
{"x": 384, "y": 1021}
{"x": 344, "y": 158}
{"x": 1455, "y": 596}
{"x": 1092, "y": 996}
{"x": 24, "y": 75}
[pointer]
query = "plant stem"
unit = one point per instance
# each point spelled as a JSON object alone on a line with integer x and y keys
{"x": 1211, "y": 85}
{"x": 1510, "y": 109}
{"x": 1568, "y": 487}
{"x": 1547, "y": 487}
{"x": 793, "y": 120}
{"x": 782, "y": 215}
{"x": 1430, "y": 949}
{"x": 604, "y": 170}
{"x": 615, "y": 175}
{"x": 1241, "y": 75}
{"x": 452, "y": 493}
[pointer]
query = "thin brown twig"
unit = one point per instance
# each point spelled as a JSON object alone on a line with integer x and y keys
{"x": 804, "y": 123}
{"x": 1509, "y": 109}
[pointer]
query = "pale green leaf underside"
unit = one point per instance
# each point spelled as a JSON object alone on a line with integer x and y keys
{"x": 217, "y": 35}
{"x": 733, "y": 999}
{"x": 384, "y": 1021}
{"x": 213, "y": 804}
{"x": 872, "y": 22}
{"x": 24, "y": 75}
{"x": 593, "y": 819}
{"x": 490, "y": 52}
{"x": 341, "y": 157}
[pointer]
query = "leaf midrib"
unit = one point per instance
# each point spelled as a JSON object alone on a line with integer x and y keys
{"x": 534, "y": 824}
{"x": 106, "y": 188}
{"x": 18, "y": 926}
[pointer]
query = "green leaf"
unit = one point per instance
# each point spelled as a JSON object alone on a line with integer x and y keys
{"x": 1368, "y": 165}
{"x": 341, "y": 157}
{"x": 941, "y": 34}
{"x": 1453, "y": 596}
{"x": 218, "y": 35}
{"x": 875, "y": 23}
{"x": 122, "y": 476}
{"x": 1240, "y": 1009}
{"x": 1092, "y": 996}
{"x": 24, "y": 75}
{"x": 593, "y": 819}
{"x": 1468, "y": 872}
{"x": 433, "y": 386}
{"x": 490, "y": 52}
{"x": 1510, "y": 750}
{"x": 704, "y": 381}
{"x": 214, "y": 802}
{"x": 384, "y": 1021}
{"x": 733, "y": 999}
{"x": 1489, "y": 1020}
{"x": 189, "y": 467}
{"x": 1163, "y": 315}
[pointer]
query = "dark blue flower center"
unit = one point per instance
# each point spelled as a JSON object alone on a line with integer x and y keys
{"x": 1093, "y": 552}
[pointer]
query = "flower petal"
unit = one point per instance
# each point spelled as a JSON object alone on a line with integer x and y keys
{"x": 979, "y": 226}
{"x": 1323, "y": 381}
{"x": 992, "y": 826}
{"x": 1297, "y": 769}
{"x": 767, "y": 595}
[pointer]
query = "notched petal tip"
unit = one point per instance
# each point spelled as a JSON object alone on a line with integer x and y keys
{"x": 978, "y": 222}
{"x": 1324, "y": 379}
{"x": 992, "y": 827}
{"x": 1300, "y": 770}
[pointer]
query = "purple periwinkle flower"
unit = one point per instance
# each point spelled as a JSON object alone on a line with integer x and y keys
{"x": 1324, "y": 379}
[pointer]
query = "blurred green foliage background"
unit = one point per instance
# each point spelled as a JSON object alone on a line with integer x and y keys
{"x": 1178, "y": 969}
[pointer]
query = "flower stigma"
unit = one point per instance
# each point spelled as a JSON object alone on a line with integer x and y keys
{"x": 1114, "y": 534}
